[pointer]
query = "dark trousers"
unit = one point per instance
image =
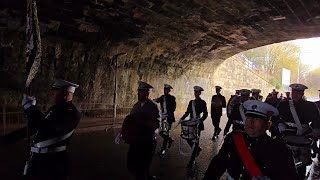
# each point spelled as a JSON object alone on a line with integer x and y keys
{"x": 48, "y": 166}
{"x": 140, "y": 157}
{"x": 196, "y": 148}
{"x": 165, "y": 138}
{"x": 216, "y": 123}
{"x": 301, "y": 172}
{"x": 228, "y": 125}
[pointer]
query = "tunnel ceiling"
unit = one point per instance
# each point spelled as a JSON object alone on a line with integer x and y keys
{"x": 193, "y": 30}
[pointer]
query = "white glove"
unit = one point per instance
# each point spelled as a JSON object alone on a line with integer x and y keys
{"x": 197, "y": 120}
{"x": 164, "y": 115}
{"x": 28, "y": 101}
{"x": 118, "y": 138}
{"x": 281, "y": 127}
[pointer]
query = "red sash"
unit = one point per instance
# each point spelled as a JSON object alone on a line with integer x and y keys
{"x": 245, "y": 155}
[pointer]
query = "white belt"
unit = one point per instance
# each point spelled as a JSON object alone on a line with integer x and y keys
{"x": 53, "y": 140}
{"x": 48, "y": 150}
{"x": 239, "y": 122}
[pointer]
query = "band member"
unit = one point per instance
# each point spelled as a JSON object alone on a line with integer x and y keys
{"x": 287, "y": 98}
{"x": 253, "y": 154}
{"x": 256, "y": 94}
{"x": 200, "y": 107}
{"x": 145, "y": 114}
{"x": 234, "y": 99}
{"x": 217, "y": 103}
{"x": 294, "y": 119}
{"x": 237, "y": 115}
{"x": 168, "y": 106}
{"x": 273, "y": 99}
{"x": 53, "y": 131}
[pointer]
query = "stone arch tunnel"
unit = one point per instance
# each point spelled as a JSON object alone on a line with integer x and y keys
{"x": 165, "y": 41}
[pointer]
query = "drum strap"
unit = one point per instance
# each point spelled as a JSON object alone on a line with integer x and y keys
{"x": 194, "y": 109}
{"x": 295, "y": 117}
{"x": 164, "y": 105}
{"x": 246, "y": 156}
{"x": 243, "y": 117}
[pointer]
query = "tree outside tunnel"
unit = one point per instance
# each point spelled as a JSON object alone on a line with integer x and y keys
{"x": 272, "y": 58}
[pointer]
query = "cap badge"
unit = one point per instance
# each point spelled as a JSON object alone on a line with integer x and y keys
{"x": 254, "y": 107}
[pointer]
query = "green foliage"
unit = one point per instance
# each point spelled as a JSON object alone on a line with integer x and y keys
{"x": 272, "y": 58}
{"x": 275, "y": 83}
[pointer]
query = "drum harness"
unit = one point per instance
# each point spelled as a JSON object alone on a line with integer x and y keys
{"x": 297, "y": 123}
{"x": 243, "y": 117}
{"x": 296, "y": 118}
{"x": 164, "y": 119}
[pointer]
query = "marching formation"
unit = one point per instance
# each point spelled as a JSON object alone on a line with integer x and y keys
{"x": 275, "y": 139}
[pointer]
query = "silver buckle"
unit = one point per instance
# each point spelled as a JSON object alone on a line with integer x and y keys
{"x": 35, "y": 150}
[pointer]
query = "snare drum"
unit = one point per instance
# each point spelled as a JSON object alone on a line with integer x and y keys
{"x": 189, "y": 130}
{"x": 301, "y": 148}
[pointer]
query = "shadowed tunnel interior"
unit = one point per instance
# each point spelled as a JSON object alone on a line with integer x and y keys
{"x": 165, "y": 41}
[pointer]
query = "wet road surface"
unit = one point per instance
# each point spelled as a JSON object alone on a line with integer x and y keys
{"x": 93, "y": 155}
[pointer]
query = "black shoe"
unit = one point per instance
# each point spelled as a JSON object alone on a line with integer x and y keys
{"x": 170, "y": 141}
{"x": 198, "y": 152}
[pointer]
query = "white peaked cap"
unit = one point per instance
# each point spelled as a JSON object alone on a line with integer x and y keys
{"x": 60, "y": 83}
{"x": 298, "y": 87}
{"x": 144, "y": 86}
{"x": 167, "y": 86}
{"x": 218, "y": 87}
{"x": 245, "y": 92}
{"x": 198, "y": 88}
{"x": 256, "y": 107}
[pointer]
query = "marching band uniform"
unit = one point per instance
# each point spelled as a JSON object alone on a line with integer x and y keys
{"x": 140, "y": 154}
{"x": 234, "y": 99}
{"x": 200, "y": 107}
{"x": 168, "y": 111}
{"x": 217, "y": 103}
{"x": 235, "y": 117}
{"x": 273, "y": 99}
{"x": 256, "y": 94}
{"x": 53, "y": 130}
{"x": 270, "y": 156}
{"x": 307, "y": 112}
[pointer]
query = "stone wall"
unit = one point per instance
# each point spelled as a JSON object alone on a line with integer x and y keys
{"x": 233, "y": 74}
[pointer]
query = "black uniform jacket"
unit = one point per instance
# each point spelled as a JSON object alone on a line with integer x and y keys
{"x": 217, "y": 110}
{"x": 170, "y": 104}
{"x": 200, "y": 107}
{"x": 59, "y": 120}
{"x": 271, "y": 156}
{"x": 235, "y": 99}
{"x": 307, "y": 112}
{"x": 273, "y": 101}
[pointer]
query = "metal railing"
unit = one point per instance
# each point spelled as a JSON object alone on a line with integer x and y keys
{"x": 93, "y": 114}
